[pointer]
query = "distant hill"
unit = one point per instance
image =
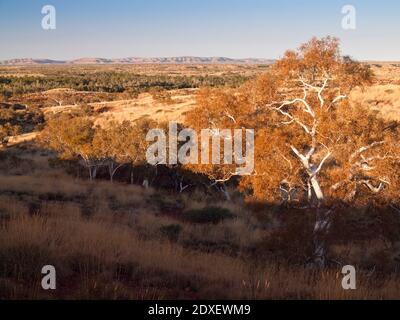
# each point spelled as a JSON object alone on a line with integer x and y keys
{"x": 29, "y": 61}
{"x": 135, "y": 60}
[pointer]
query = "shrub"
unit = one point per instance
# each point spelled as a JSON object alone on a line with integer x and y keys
{"x": 209, "y": 215}
{"x": 166, "y": 206}
{"x": 171, "y": 232}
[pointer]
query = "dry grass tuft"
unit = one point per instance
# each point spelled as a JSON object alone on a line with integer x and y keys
{"x": 383, "y": 99}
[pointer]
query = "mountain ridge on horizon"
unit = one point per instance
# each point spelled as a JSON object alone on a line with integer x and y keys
{"x": 138, "y": 60}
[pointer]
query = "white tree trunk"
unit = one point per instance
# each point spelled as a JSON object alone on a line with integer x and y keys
{"x": 321, "y": 229}
{"x": 317, "y": 189}
{"x": 322, "y": 225}
{"x": 225, "y": 191}
{"x": 94, "y": 172}
{"x": 112, "y": 169}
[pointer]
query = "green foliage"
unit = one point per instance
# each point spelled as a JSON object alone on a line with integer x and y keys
{"x": 166, "y": 205}
{"x": 209, "y": 215}
{"x": 162, "y": 96}
{"x": 172, "y": 231}
{"x": 7, "y": 130}
{"x": 16, "y": 119}
{"x": 112, "y": 82}
{"x": 69, "y": 136}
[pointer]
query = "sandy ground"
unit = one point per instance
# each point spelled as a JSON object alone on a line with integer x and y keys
{"x": 146, "y": 107}
{"x": 22, "y": 138}
{"x": 382, "y": 99}
{"x": 142, "y": 107}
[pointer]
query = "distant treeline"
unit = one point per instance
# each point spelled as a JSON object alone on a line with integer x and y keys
{"x": 114, "y": 82}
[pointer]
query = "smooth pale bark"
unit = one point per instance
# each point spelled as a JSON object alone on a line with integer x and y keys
{"x": 112, "y": 169}
{"x": 317, "y": 189}
{"x": 92, "y": 172}
{"x": 225, "y": 191}
{"x": 321, "y": 227}
{"x": 322, "y": 222}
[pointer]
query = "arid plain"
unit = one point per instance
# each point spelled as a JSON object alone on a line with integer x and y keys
{"x": 124, "y": 240}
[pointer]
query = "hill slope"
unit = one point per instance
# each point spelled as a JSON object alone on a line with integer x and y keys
{"x": 137, "y": 60}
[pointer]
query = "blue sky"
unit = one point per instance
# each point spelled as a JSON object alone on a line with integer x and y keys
{"x": 232, "y": 28}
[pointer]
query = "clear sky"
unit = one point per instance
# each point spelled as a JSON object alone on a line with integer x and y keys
{"x": 231, "y": 28}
